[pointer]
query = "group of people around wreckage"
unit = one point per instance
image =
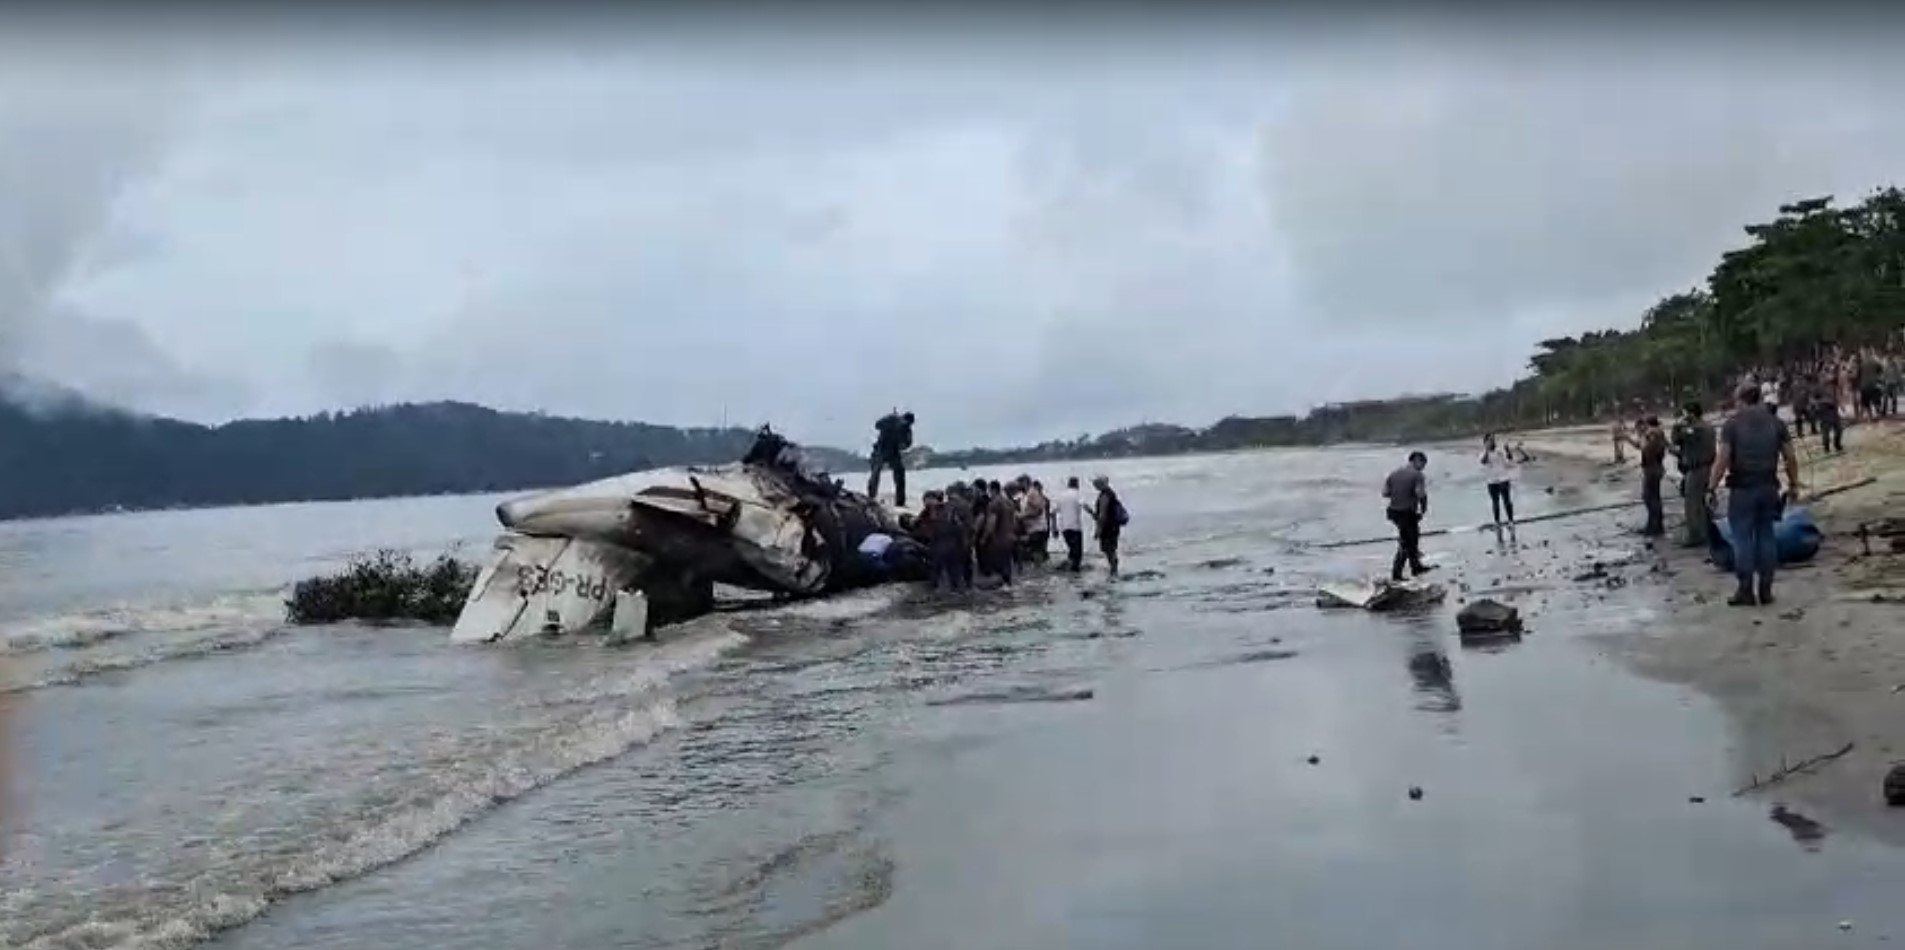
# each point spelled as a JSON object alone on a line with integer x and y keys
{"x": 982, "y": 533}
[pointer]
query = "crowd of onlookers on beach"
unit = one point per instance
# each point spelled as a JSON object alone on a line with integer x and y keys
{"x": 1821, "y": 393}
{"x": 1818, "y": 395}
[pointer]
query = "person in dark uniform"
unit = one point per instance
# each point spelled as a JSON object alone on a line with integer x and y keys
{"x": 1407, "y": 490}
{"x": 894, "y": 437}
{"x": 1753, "y": 443}
{"x": 1653, "y": 470}
{"x": 1827, "y": 421}
{"x": 1694, "y": 447}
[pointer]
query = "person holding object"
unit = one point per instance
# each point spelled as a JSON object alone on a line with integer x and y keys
{"x": 1498, "y": 466}
{"x": 1753, "y": 442}
{"x": 1407, "y": 490}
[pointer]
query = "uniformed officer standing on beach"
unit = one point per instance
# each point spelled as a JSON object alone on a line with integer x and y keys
{"x": 1694, "y": 447}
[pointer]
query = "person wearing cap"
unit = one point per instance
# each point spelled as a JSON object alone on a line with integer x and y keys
{"x": 1693, "y": 446}
{"x": 1753, "y": 442}
{"x": 1109, "y": 517}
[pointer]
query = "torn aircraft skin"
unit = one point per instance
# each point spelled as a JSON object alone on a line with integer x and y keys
{"x": 765, "y": 525}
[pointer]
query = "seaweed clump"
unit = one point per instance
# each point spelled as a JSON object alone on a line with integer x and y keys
{"x": 386, "y": 585}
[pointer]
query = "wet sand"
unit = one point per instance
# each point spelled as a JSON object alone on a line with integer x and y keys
{"x": 1823, "y": 667}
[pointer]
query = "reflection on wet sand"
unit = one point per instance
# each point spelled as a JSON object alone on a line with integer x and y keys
{"x": 1434, "y": 680}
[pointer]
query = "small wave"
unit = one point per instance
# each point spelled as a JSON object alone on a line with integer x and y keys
{"x": 653, "y": 667}
{"x": 85, "y": 628}
{"x": 384, "y": 841}
{"x": 88, "y": 667}
{"x": 849, "y": 606}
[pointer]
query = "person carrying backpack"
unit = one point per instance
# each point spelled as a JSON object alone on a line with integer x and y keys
{"x": 1109, "y": 518}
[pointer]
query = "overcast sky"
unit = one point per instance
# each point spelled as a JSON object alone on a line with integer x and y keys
{"x": 1019, "y": 231}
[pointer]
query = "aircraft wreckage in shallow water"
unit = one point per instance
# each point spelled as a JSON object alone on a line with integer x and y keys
{"x": 634, "y": 551}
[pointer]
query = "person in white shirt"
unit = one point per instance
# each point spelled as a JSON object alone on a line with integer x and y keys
{"x": 1499, "y": 468}
{"x": 1068, "y": 510}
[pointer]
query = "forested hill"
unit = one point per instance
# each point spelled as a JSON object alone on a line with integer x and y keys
{"x": 63, "y": 456}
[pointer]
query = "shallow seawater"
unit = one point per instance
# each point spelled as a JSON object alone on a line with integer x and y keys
{"x": 1073, "y": 762}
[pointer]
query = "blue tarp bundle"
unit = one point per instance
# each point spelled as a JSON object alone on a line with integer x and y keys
{"x": 1795, "y": 536}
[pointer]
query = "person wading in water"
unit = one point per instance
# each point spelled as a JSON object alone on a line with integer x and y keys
{"x": 1753, "y": 442}
{"x": 895, "y": 436}
{"x": 1035, "y": 518}
{"x": 1408, "y": 492}
{"x": 1499, "y": 468}
{"x": 1109, "y": 517}
{"x": 1693, "y": 446}
{"x": 1069, "y": 515}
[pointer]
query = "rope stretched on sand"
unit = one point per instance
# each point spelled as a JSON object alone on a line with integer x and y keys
{"x": 1555, "y": 515}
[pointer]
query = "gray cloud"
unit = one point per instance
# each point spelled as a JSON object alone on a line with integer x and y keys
{"x": 1017, "y": 239}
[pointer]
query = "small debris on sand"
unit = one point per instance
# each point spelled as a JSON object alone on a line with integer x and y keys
{"x": 1697, "y": 799}
{"x": 1485, "y": 619}
{"x": 1415, "y": 793}
{"x": 1219, "y": 563}
{"x": 1895, "y": 786}
{"x": 1316, "y": 760}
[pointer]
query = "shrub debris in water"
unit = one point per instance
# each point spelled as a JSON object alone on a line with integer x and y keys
{"x": 384, "y": 585}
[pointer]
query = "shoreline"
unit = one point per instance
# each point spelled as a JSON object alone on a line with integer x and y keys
{"x": 1821, "y": 668}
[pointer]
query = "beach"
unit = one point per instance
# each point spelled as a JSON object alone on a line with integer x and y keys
{"x": 1193, "y": 755}
{"x": 1823, "y": 667}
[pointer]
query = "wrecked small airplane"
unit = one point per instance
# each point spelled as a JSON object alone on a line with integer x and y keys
{"x": 635, "y": 551}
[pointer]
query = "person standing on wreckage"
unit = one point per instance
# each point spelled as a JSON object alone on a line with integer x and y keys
{"x": 1407, "y": 490}
{"x": 895, "y": 436}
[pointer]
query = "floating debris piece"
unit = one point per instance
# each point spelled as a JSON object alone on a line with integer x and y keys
{"x": 1697, "y": 799}
{"x": 1785, "y": 771}
{"x": 1316, "y": 760}
{"x": 1379, "y": 595}
{"x": 1415, "y": 793}
{"x": 1016, "y": 694}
